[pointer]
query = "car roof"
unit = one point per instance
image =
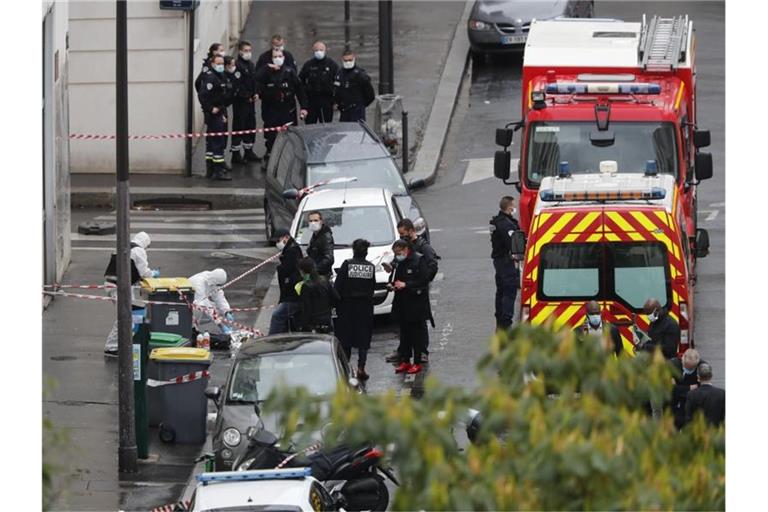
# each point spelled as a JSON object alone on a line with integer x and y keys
{"x": 339, "y": 142}
{"x": 333, "y": 198}
{"x": 298, "y": 343}
{"x": 291, "y": 492}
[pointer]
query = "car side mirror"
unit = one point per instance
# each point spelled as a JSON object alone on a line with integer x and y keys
{"x": 290, "y": 193}
{"x": 517, "y": 243}
{"x": 213, "y": 393}
{"x": 701, "y": 138}
{"x": 416, "y": 184}
{"x": 501, "y": 162}
{"x": 702, "y": 243}
{"x": 261, "y": 436}
{"x": 703, "y": 163}
{"x": 504, "y": 136}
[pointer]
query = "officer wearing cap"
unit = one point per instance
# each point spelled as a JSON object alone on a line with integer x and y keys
{"x": 287, "y": 276}
{"x": 505, "y": 263}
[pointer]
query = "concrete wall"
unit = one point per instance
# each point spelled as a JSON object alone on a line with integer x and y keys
{"x": 58, "y": 12}
{"x": 157, "y": 75}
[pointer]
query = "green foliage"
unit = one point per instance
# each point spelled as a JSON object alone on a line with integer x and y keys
{"x": 565, "y": 427}
{"x": 56, "y": 448}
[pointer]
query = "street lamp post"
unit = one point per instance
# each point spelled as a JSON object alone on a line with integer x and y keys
{"x": 386, "y": 64}
{"x": 127, "y": 450}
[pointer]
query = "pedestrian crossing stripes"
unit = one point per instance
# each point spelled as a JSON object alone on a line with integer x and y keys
{"x": 241, "y": 229}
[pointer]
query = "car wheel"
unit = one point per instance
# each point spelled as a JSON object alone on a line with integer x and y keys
{"x": 269, "y": 225}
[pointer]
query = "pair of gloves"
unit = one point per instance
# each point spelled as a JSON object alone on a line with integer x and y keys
{"x": 225, "y": 328}
{"x": 155, "y": 273}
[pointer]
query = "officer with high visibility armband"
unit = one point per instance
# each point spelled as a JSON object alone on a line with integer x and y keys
{"x": 506, "y": 259}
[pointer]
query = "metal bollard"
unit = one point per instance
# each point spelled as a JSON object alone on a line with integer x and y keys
{"x": 406, "y": 164}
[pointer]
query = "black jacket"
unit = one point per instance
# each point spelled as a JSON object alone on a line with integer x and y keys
{"x": 266, "y": 58}
{"x": 681, "y": 389}
{"x": 288, "y": 271}
{"x": 317, "y": 300}
{"x": 411, "y": 304}
{"x": 422, "y": 247}
{"x": 317, "y": 77}
{"x": 279, "y": 89}
{"x": 356, "y": 279}
{"x": 215, "y": 91}
{"x": 246, "y": 80}
{"x": 352, "y": 88}
{"x": 710, "y": 400}
{"x": 502, "y": 226}
{"x": 665, "y": 333}
{"x": 321, "y": 250}
{"x": 613, "y": 331}
{"x": 199, "y": 80}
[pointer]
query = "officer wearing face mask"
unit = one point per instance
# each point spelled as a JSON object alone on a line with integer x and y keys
{"x": 321, "y": 244}
{"x": 594, "y": 326}
{"x": 213, "y": 50}
{"x": 317, "y": 76}
{"x": 352, "y": 89}
{"x": 505, "y": 263}
{"x": 278, "y": 43}
{"x": 243, "y": 111}
{"x": 279, "y": 88}
{"x": 287, "y": 275}
{"x": 663, "y": 330}
{"x": 685, "y": 381}
{"x": 214, "y": 96}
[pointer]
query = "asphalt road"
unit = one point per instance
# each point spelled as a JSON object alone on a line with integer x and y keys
{"x": 465, "y": 196}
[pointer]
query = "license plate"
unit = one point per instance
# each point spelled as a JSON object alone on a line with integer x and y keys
{"x": 513, "y": 39}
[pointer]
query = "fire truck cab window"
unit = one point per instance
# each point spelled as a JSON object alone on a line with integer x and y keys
{"x": 570, "y": 271}
{"x": 635, "y": 143}
{"x": 639, "y": 272}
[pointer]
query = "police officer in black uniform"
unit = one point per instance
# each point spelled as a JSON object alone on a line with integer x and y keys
{"x": 278, "y": 43}
{"x": 215, "y": 91}
{"x": 352, "y": 89}
{"x": 243, "y": 112}
{"x": 278, "y": 87}
{"x": 214, "y": 49}
{"x": 355, "y": 283}
{"x": 503, "y": 225}
{"x": 317, "y": 76}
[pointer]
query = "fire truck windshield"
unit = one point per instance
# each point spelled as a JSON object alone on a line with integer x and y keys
{"x": 627, "y": 272}
{"x": 634, "y": 144}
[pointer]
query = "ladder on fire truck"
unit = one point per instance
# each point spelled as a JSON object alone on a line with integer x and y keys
{"x": 663, "y": 43}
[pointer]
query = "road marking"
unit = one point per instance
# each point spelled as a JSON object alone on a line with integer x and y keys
{"x": 712, "y": 214}
{"x": 165, "y": 237}
{"x": 237, "y": 211}
{"x": 445, "y": 335}
{"x": 196, "y": 227}
{"x": 717, "y": 205}
{"x": 439, "y": 276}
{"x": 479, "y": 169}
{"x": 179, "y": 220}
{"x": 248, "y": 253}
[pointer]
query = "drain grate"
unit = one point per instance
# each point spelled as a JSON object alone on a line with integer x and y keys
{"x": 172, "y": 203}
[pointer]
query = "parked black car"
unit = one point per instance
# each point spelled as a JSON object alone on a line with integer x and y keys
{"x": 500, "y": 26}
{"x": 306, "y": 155}
{"x": 314, "y": 361}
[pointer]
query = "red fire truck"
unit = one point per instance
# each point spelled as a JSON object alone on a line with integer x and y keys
{"x": 598, "y": 90}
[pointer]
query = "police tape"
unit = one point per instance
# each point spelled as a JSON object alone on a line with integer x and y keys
{"x": 181, "y": 379}
{"x": 57, "y": 286}
{"x": 247, "y": 272}
{"x": 173, "y": 507}
{"x": 309, "y": 449}
{"x": 169, "y": 136}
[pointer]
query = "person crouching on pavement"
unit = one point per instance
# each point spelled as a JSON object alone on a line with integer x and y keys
{"x": 209, "y": 298}
{"x": 355, "y": 283}
{"x": 317, "y": 298}
{"x": 288, "y": 276}
{"x": 411, "y": 304}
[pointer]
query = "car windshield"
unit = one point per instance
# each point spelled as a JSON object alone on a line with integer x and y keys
{"x": 634, "y": 144}
{"x": 373, "y": 223}
{"x": 630, "y": 273}
{"x": 377, "y": 173}
{"x": 253, "y": 379}
{"x": 256, "y": 508}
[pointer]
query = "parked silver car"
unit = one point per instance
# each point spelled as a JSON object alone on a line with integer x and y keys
{"x": 500, "y": 26}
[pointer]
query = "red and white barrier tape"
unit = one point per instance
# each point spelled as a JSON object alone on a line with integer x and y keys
{"x": 173, "y": 507}
{"x": 181, "y": 379}
{"x": 308, "y": 449}
{"x": 168, "y": 136}
{"x": 80, "y": 286}
{"x": 271, "y": 258}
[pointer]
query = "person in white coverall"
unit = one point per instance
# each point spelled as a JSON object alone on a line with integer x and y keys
{"x": 208, "y": 294}
{"x": 139, "y": 246}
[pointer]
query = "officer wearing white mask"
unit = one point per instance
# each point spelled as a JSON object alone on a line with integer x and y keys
{"x": 317, "y": 76}
{"x": 594, "y": 326}
{"x": 278, "y": 43}
{"x": 209, "y": 296}
{"x": 321, "y": 244}
{"x": 352, "y": 89}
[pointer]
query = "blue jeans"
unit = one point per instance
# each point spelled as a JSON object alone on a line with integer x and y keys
{"x": 281, "y": 317}
{"x": 507, "y": 283}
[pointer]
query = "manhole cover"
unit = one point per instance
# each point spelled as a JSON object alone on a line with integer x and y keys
{"x": 172, "y": 203}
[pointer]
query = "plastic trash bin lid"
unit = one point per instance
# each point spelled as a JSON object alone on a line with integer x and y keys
{"x": 181, "y": 354}
{"x": 173, "y": 284}
{"x": 166, "y": 338}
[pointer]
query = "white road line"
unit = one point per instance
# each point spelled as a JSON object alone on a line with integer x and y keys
{"x": 479, "y": 169}
{"x": 166, "y": 237}
{"x": 211, "y": 227}
{"x": 251, "y": 253}
{"x": 237, "y": 211}
{"x": 717, "y": 205}
{"x": 712, "y": 214}
{"x": 439, "y": 276}
{"x": 179, "y": 220}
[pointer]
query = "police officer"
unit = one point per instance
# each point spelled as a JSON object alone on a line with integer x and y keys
{"x": 317, "y": 76}
{"x": 352, "y": 89}
{"x": 214, "y": 95}
{"x": 503, "y": 225}
{"x": 317, "y": 297}
{"x": 278, "y": 87}
{"x": 243, "y": 112}
{"x": 278, "y": 43}
{"x": 355, "y": 283}
{"x": 214, "y": 49}
{"x": 321, "y": 244}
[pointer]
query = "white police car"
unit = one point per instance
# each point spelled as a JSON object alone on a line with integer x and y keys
{"x": 287, "y": 490}
{"x": 369, "y": 213}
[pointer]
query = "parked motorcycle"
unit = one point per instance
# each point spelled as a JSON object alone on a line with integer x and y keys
{"x": 350, "y": 474}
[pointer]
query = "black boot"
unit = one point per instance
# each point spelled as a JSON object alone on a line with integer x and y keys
{"x": 237, "y": 157}
{"x": 208, "y": 169}
{"x": 220, "y": 173}
{"x": 251, "y": 156}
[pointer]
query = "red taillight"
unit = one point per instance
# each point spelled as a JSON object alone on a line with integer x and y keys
{"x": 374, "y": 453}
